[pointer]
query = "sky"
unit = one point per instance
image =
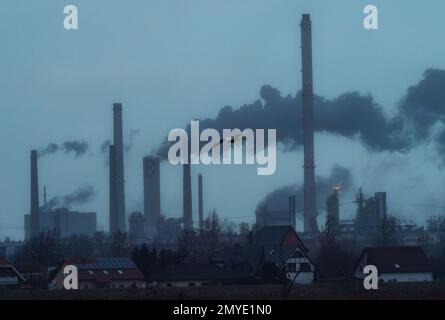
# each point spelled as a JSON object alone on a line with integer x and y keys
{"x": 170, "y": 62}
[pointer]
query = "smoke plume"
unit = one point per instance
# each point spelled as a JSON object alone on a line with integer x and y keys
{"x": 105, "y": 146}
{"x": 130, "y": 141}
{"x": 128, "y": 145}
{"x": 277, "y": 200}
{"x": 78, "y": 147}
{"x": 350, "y": 115}
{"x": 82, "y": 195}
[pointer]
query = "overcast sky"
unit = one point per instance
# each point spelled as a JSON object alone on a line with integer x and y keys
{"x": 172, "y": 61}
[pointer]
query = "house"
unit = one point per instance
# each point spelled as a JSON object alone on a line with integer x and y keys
{"x": 284, "y": 248}
{"x": 10, "y": 278}
{"x": 96, "y": 273}
{"x": 190, "y": 275}
{"x": 294, "y": 261}
{"x": 396, "y": 264}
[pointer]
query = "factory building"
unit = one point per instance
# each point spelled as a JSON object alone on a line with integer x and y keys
{"x": 370, "y": 212}
{"x": 136, "y": 226}
{"x": 333, "y": 211}
{"x": 266, "y": 217}
{"x": 169, "y": 230}
{"x": 152, "y": 196}
{"x": 67, "y": 223}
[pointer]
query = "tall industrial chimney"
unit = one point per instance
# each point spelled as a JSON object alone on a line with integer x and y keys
{"x": 34, "y": 214}
{"x": 333, "y": 211}
{"x": 292, "y": 213}
{"x": 200, "y": 203}
{"x": 112, "y": 181}
{"x": 380, "y": 206}
{"x": 187, "y": 197}
{"x": 310, "y": 211}
{"x": 119, "y": 166}
{"x": 152, "y": 195}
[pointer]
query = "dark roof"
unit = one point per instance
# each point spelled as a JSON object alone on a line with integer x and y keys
{"x": 252, "y": 255}
{"x": 6, "y": 265}
{"x": 4, "y": 262}
{"x": 191, "y": 272}
{"x": 397, "y": 259}
{"x": 281, "y": 254}
{"x": 275, "y": 235}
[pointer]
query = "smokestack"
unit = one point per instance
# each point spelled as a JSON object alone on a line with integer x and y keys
{"x": 119, "y": 166}
{"x": 44, "y": 196}
{"x": 112, "y": 181}
{"x": 34, "y": 214}
{"x": 333, "y": 212}
{"x": 152, "y": 195}
{"x": 380, "y": 205}
{"x": 290, "y": 210}
{"x": 310, "y": 211}
{"x": 201, "y": 207}
{"x": 187, "y": 198}
{"x": 292, "y": 213}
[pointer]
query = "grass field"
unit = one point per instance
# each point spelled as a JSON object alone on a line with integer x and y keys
{"x": 337, "y": 291}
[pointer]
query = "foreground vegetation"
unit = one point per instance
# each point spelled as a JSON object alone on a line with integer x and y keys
{"x": 337, "y": 291}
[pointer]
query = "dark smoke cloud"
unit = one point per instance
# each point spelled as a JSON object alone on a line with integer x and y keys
{"x": 423, "y": 106}
{"x": 277, "y": 200}
{"x": 82, "y": 195}
{"x": 78, "y": 147}
{"x": 349, "y": 115}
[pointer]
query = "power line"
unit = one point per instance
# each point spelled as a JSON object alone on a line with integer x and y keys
{"x": 416, "y": 205}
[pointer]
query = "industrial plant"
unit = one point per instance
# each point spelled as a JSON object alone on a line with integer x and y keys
{"x": 143, "y": 249}
{"x": 150, "y": 226}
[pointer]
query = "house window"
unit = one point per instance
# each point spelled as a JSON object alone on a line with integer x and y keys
{"x": 191, "y": 284}
{"x": 291, "y": 267}
{"x": 169, "y": 284}
{"x": 305, "y": 267}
